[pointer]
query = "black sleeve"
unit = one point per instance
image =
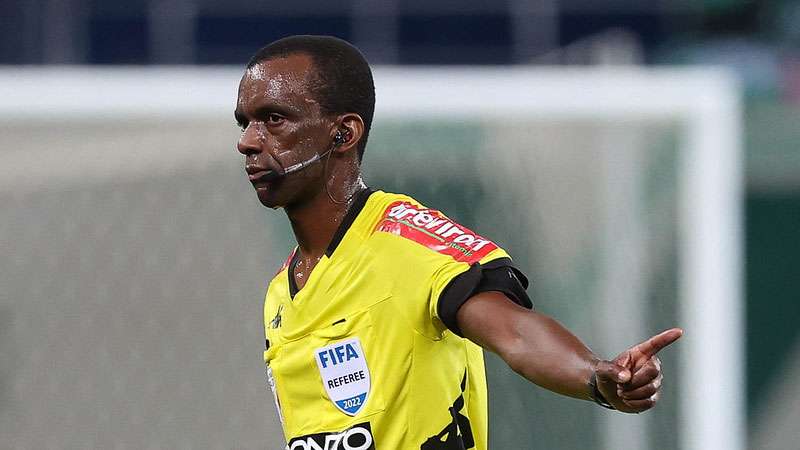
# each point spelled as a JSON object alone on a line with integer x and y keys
{"x": 497, "y": 275}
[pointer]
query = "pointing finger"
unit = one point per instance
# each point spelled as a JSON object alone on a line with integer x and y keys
{"x": 653, "y": 345}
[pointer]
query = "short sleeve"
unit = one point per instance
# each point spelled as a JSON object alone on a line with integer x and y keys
{"x": 445, "y": 262}
{"x": 496, "y": 275}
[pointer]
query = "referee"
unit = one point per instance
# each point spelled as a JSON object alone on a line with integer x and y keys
{"x": 377, "y": 321}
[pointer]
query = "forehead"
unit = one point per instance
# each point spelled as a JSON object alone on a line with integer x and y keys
{"x": 283, "y": 79}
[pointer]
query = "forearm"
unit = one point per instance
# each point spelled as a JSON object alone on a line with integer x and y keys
{"x": 549, "y": 355}
{"x": 541, "y": 350}
{"x": 535, "y": 346}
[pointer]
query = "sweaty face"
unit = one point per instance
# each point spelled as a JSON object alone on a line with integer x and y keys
{"x": 282, "y": 125}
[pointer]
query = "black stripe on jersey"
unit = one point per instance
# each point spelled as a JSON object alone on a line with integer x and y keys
{"x": 496, "y": 275}
{"x": 293, "y": 289}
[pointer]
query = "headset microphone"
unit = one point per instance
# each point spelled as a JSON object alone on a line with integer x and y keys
{"x": 338, "y": 140}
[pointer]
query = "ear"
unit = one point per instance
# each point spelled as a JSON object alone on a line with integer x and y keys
{"x": 352, "y": 127}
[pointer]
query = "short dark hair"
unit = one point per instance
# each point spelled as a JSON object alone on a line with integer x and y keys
{"x": 343, "y": 78}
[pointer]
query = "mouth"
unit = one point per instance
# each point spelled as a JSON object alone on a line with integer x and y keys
{"x": 260, "y": 176}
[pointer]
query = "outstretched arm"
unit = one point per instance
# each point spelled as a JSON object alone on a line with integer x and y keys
{"x": 543, "y": 351}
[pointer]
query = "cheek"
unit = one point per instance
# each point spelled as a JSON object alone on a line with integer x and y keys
{"x": 283, "y": 142}
{"x": 298, "y": 142}
{"x": 305, "y": 142}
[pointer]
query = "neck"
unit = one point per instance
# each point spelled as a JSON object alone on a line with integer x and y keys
{"x": 315, "y": 221}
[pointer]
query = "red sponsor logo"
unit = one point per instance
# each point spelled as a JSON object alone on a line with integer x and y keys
{"x": 434, "y": 230}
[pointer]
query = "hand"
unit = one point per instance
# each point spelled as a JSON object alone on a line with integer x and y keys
{"x": 632, "y": 381}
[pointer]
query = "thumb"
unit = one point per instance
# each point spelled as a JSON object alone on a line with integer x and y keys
{"x": 607, "y": 371}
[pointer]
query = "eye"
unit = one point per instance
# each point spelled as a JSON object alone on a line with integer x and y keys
{"x": 242, "y": 125}
{"x": 274, "y": 119}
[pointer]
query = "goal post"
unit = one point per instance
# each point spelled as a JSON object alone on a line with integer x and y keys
{"x": 124, "y": 130}
{"x": 707, "y": 102}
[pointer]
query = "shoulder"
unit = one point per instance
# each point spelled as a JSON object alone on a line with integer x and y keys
{"x": 417, "y": 224}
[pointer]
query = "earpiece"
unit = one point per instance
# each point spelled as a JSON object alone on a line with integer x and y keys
{"x": 339, "y": 138}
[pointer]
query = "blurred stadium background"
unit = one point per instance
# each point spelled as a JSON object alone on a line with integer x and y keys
{"x": 135, "y": 255}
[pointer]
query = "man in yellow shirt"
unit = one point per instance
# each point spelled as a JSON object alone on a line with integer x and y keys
{"x": 377, "y": 322}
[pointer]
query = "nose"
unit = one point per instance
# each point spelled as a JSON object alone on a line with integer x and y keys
{"x": 249, "y": 142}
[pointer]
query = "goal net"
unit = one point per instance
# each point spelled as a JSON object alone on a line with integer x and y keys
{"x": 136, "y": 254}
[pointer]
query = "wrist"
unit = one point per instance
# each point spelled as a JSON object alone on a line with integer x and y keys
{"x": 591, "y": 378}
{"x": 595, "y": 394}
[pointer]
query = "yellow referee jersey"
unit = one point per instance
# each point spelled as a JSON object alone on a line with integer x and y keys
{"x": 368, "y": 355}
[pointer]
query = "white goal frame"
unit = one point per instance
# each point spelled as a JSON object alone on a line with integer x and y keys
{"x": 706, "y": 101}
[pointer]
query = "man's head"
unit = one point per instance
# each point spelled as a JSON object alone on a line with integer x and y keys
{"x": 296, "y": 96}
{"x": 343, "y": 77}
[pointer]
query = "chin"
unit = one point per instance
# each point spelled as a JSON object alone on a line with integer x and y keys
{"x": 285, "y": 195}
{"x": 268, "y": 199}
